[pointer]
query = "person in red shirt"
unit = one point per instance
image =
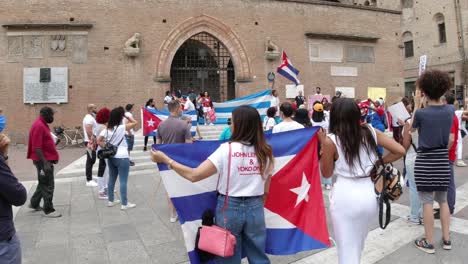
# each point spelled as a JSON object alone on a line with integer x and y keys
{"x": 42, "y": 151}
{"x": 451, "y": 191}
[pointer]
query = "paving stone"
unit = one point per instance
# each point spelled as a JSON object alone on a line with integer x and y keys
{"x": 172, "y": 252}
{"x": 117, "y": 233}
{"x": 62, "y": 194}
{"x": 89, "y": 249}
{"x": 142, "y": 213}
{"x": 52, "y": 254}
{"x": 130, "y": 251}
{"x": 154, "y": 233}
{"x": 85, "y": 223}
{"x": 109, "y": 216}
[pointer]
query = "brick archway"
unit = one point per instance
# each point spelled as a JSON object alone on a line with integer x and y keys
{"x": 193, "y": 26}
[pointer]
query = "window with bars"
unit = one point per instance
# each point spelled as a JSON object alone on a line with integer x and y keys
{"x": 409, "y": 51}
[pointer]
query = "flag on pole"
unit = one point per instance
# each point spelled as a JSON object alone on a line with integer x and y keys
{"x": 287, "y": 70}
{"x": 152, "y": 118}
{"x": 294, "y": 212}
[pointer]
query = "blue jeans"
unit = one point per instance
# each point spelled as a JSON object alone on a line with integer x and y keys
{"x": 415, "y": 203}
{"x": 120, "y": 167}
{"x": 10, "y": 251}
{"x": 245, "y": 218}
{"x": 452, "y": 190}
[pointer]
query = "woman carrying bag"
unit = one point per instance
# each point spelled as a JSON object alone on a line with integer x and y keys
{"x": 243, "y": 214}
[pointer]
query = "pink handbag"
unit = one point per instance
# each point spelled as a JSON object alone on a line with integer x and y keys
{"x": 214, "y": 239}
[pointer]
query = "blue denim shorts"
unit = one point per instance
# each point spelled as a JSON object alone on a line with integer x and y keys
{"x": 130, "y": 141}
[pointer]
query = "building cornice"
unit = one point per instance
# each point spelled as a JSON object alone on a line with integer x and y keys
{"x": 315, "y": 35}
{"x": 23, "y": 26}
{"x": 337, "y": 4}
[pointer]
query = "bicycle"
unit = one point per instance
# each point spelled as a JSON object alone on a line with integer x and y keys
{"x": 69, "y": 137}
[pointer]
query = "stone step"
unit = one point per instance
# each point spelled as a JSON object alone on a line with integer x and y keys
{"x": 77, "y": 172}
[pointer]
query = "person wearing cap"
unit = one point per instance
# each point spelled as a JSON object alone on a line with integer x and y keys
{"x": 130, "y": 134}
{"x": 42, "y": 151}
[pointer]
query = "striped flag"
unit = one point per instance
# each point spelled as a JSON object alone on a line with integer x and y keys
{"x": 260, "y": 101}
{"x": 161, "y": 115}
{"x": 294, "y": 211}
{"x": 287, "y": 70}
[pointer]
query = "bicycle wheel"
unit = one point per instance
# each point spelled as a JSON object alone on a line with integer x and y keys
{"x": 63, "y": 141}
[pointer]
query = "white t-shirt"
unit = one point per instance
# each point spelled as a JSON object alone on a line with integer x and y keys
{"x": 167, "y": 99}
{"x": 189, "y": 106}
{"x": 245, "y": 179}
{"x": 88, "y": 120}
{"x": 125, "y": 121}
{"x": 268, "y": 123}
{"x": 98, "y": 130}
{"x": 324, "y": 124}
{"x": 286, "y": 126}
{"x": 119, "y": 136}
{"x": 274, "y": 102}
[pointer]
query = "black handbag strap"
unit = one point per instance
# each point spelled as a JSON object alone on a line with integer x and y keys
{"x": 113, "y": 134}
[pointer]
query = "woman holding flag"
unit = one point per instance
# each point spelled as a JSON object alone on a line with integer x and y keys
{"x": 244, "y": 166}
{"x": 349, "y": 153}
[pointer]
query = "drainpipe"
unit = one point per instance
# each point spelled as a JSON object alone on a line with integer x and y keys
{"x": 461, "y": 44}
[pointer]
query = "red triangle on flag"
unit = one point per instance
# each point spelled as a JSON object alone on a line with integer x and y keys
{"x": 296, "y": 193}
{"x": 150, "y": 122}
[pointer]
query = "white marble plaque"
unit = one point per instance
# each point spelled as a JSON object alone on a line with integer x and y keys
{"x": 55, "y": 91}
{"x": 292, "y": 90}
{"x": 343, "y": 71}
{"x": 347, "y": 92}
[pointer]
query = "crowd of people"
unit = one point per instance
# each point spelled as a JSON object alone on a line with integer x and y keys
{"x": 351, "y": 138}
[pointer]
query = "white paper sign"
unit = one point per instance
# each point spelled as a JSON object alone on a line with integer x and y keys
{"x": 347, "y": 92}
{"x": 422, "y": 64}
{"x": 292, "y": 90}
{"x": 398, "y": 111}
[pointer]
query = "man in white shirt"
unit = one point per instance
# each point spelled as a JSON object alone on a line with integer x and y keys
{"x": 167, "y": 99}
{"x": 275, "y": 102}
{"x": 189, "y": 106}
{"x": 89, "y": 126}
{"x": 288, "y": 123}
{"x": 129, "y": 135}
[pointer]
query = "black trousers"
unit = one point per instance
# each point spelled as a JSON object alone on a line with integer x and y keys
{"x": 101, "y": 167}
{"x": 146, "y": 140}
{"x": 90, "y": 160}
{"x": 45, "y": 188}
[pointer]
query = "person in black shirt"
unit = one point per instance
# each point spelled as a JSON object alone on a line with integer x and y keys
{"x": 11, "y": 193}
{"x": 299, "y": 99}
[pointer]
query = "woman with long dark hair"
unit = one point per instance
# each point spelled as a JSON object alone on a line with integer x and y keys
{"x": 247, "y": 148}
{"x": 150, "y": 105}
{"x": 349, "y": 153}
{"x": 119, "y": 165}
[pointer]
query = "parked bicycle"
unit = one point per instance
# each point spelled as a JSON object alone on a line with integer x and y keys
{"x": 69, "y": 137}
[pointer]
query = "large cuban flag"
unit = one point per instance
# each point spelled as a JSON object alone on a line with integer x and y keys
{"x": 294, "y": 211}
{"x": 260, "y": 101}
{"x": 287, "y": 69}
{"x": 153, "y": 117}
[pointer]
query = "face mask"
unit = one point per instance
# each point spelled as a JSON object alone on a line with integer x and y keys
{"x": 49, "y": 119}
{"x": 2, "y": 122}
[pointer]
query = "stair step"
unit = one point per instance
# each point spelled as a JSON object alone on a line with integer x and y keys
{"x": 77, "y": 172}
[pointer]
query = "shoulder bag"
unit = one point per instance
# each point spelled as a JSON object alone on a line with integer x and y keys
{"x": 214, "y": 239}
{"x": 109, "y": 150}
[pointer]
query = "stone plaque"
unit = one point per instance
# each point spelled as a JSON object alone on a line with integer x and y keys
{"x": 343, "y": 71}
{"x": 15, "y": 46}
{"x": 33, "y": 47}
{"x": 80, "y": 49}
{"x": 55, "y": 91}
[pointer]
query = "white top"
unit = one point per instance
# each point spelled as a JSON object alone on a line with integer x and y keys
{"x": 189, "y": 106}
{"x": 125, "y": 121}
{"x": 411, "y": 152}
{"x": 343, "y": 169}
{"x": 268, "y": 123}
{"x": 122, "y": 151}
{"x": 324, "y": 124}
{"x": 98, "y": 130}
{"x": 286, "y": 126}
{"x": 88, "y": 120}
{"x": 245, "y": 179}
{"x": 167, "y": 99}
{"x": 275, "y": 102}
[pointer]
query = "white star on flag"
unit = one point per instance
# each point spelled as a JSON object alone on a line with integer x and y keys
{"x": 150, "y": 123}
{"x": 302, "y": 191}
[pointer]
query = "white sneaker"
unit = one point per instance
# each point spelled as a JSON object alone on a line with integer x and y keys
{"x": 461, "y": 163}
{"x": 110, "y": 204}
{"x": 91, "y": 183}
{"x": 327, "y": 186}
{"x": 174, "y": 219}
{"x": 128, "y": 206}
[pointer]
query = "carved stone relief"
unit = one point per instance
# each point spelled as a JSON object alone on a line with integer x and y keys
{"x": 80, "y": 49}
{"x": 58, "y": 45}
{"x": 33, "y": 47}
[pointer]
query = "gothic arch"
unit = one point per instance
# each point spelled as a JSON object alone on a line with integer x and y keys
{"x": 193, "y": 26}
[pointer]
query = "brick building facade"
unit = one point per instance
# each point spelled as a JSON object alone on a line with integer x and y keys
{"x": 192, "y": 44}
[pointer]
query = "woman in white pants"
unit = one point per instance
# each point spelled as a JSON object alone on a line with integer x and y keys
{"x": 349, "y": 153}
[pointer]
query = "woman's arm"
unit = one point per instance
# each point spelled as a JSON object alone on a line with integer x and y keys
{"x": 328, "y": 157}
{"x": 203, "y": 171}
{"x": 396, "y": 150}
{"x": 406, "y": 135}
{"x": 131, "y": 123}
{"x": 101, "y": 141}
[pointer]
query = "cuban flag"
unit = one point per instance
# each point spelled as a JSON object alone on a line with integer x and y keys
{"x": 294, "y": 212}
{"x": 152, "y": 118}
{"x": 287, "y": 70}
{"x": 260, "y": 101}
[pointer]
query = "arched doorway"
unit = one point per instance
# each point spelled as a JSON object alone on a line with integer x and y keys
{"x": 203, "y": 63}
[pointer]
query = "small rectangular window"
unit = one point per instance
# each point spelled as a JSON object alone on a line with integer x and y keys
{"x": 442, "y": 35}
{"x": 409, "y": 52}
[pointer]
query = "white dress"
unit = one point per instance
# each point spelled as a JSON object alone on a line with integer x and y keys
{"x": 353, "y": 203}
